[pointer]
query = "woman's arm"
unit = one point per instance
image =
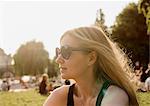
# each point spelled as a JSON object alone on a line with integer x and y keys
{"x": 115, "y": 96}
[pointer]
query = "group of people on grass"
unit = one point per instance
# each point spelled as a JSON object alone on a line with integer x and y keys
{"x": 45, "y": 87}
{"x": 142, "y": 77}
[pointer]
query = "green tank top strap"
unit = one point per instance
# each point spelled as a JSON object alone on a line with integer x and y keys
{"x": 102, "y": 92}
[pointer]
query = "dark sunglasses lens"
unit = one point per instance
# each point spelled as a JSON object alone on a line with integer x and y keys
{"x": 65, "y": 52}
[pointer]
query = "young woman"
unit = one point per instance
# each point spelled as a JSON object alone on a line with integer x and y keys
{"x": 89, "y": 57}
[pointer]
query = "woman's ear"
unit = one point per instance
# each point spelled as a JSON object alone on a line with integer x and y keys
{"x": 92, "y": 58}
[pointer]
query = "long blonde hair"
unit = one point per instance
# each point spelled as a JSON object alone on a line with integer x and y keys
{"x": 111, "y": 62}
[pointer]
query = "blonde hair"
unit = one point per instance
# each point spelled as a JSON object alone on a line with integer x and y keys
{"x": 111, "y": 62}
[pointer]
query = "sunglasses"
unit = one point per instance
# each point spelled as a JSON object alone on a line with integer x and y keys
{"x": 66, "y": 51}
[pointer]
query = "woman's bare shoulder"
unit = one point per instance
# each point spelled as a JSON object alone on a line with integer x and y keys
{"x": 115, "y": 96}
{"x": 58, "y": 97}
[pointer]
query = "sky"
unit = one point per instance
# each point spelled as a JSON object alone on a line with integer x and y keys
{"x": 45, "y": 21}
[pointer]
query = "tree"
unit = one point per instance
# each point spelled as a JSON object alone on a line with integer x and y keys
{"x": 130, "y": 32}
{"x": 53, "y": 69}
{"x": 100, "y": 18}
{"x": 5, "y": 64}
{"x": 31, "y": 58}
{"x": 144, "y": 8}
{"x": 100, "y": 21}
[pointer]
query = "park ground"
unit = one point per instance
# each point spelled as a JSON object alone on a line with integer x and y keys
{"x": 33, "y": 98}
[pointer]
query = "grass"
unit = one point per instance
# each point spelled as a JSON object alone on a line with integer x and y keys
{"x": 25, "y": 98}
{"x": 33, "y": 98}
{"x": 144, "y": 98}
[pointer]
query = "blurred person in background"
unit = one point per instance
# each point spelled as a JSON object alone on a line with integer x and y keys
{"x": 5, "y": 85}
{"x": 147, "y": 84}
{"x": 43, "y": 85}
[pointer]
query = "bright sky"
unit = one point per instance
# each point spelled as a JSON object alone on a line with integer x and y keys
{"x": 45, "y": 21}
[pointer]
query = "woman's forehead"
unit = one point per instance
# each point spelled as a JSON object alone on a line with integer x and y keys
{"x": 69, "y": 41}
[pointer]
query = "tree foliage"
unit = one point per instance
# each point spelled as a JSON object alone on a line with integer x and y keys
{"x": 130, "y": 32}
{"x": 31, "y": 58}
{"x": 53, "y": 69}
{"x": 144, "y": 8}
{"x": 100, "y": 21}
{"x": 100, "y": 18}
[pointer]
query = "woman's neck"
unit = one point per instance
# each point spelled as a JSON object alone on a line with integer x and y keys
{"x": 88, "y": 88}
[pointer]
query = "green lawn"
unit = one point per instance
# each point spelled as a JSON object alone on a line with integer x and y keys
{"x": 144, "y": 98}
{"x": 33, "y": 98}
{"x": 25, "y": 98}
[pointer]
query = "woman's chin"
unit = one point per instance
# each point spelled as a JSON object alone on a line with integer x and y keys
{"x": 64, "y": 76}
